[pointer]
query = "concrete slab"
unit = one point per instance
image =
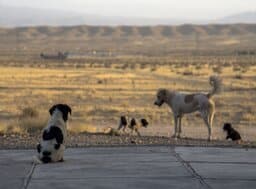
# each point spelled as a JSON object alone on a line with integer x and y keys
{"x": 133, "y": 167}
{"x": 14, "y": 166}
{"x": 119, "y": 163}
{"x": 225, "y": 171}
{"x": 224, "y": 184}
{"x": 211, "y": 154}
{"x": 120, "y": 183}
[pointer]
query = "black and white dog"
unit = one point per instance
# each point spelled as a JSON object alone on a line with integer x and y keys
{"x": 52, "y": 145}
{"x": 133, "y": 125}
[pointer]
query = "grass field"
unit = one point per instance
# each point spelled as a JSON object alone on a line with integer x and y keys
{"x": 100, "y": 93}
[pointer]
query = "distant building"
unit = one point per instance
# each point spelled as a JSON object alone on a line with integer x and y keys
{"x": 59, "y": 56}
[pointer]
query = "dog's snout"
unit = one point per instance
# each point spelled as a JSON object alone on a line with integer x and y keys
{"x": 46, "y": 153}
{"x": 155, "y": 103}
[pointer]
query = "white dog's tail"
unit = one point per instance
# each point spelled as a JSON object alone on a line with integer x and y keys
{"x": 215, "y": 82}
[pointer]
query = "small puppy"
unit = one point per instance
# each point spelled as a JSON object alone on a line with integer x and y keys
{"x": 123, "y": 124}
{"x": 135, "y": 127}
{"x": 52, "y": 145}
{"x": 231, "y": 132}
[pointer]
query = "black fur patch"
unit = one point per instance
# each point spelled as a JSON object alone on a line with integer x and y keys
{"x": 123, "y": 120}
{"x": 54, "y": 132}
{"x": 132, "y": 123}
{"x": 144, "y": 122}
{"x": 46, "y": 153}
{"x": 122, "y": 123}
{"x": 46, "y": 159}
{"x": 38, "y": 147}
{"x": 231, "y": 132}
{"x": 57, "y": 146}
{"x": 64, "y": 108}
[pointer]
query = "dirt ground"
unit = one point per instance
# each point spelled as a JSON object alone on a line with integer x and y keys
{"x": 18, "y": 141}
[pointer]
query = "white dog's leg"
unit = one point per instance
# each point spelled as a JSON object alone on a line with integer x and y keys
{"x": 179, "y": 127}
{"x": 205, "y": 117}
{"x": 131, "y": 133}
{"x": 175, "y": 127}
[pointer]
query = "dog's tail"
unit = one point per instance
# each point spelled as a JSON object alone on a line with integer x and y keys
{"x": 216, "y": 84}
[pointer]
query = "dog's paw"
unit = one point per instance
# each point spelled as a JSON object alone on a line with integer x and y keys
{"x": 180, "y": 136}
{"x": 36, "y": 160}
{"x": 174, "y": 136}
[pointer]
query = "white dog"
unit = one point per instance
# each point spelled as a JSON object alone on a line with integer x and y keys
{"x": 181, "y": 104}
{"x": 52, "y": 146}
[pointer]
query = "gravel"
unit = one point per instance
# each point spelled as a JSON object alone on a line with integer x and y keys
{"x": 26, "y": 141}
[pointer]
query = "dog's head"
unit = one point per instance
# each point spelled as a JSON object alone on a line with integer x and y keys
{"x": 133, "y": 123}
{"x": 161, "y": 97}
{"x": 64, "y": 108}
{"x": 123, "y": 120}
{"x": 144, "y": 122}
{"x": 51, "y": 148}
{"x": 227, "y": 127}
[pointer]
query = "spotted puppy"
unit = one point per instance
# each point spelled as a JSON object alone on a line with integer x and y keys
{"x": 122, "y": 123}
{"x": 52, "y": 145}
{"x": 133, "y": 125}
{"x": 231, "y": 132}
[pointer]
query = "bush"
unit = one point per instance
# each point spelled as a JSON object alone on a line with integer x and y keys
{"x": 32, "y": 125}
{"x": 30, "y": 122}
{"x": 29, "y": 112}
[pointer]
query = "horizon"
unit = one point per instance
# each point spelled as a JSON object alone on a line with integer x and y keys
{"x": 199, "y": 10}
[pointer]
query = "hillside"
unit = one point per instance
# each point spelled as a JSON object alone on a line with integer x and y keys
{"x": 154, "y": 40}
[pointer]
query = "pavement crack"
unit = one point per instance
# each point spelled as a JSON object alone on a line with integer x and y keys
{"x": 28, "y": 177}
{"x": 187, "y": 166}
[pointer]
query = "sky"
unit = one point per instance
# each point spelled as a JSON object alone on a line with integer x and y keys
{"x": 178, "y": 9}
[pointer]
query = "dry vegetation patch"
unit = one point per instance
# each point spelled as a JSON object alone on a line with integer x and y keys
{"x": 99, "y": 94}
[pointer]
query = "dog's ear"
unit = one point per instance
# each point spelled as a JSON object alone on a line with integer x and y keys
{"x": 65, "y": 109}
{"x": 227, "y": 126}
{"x": 144, "y": 122}
{"x": 51, "y": 110}
{"x": 68, "y": 109}
{"x": 164, "y": 92}
{"x": 133, "y": 122}
{"x": 123, "y": 120}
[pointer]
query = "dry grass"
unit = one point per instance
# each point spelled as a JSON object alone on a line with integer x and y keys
{"x": 99, "y": 94}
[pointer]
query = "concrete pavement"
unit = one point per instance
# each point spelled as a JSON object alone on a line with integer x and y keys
{"x": 132, "y": 167}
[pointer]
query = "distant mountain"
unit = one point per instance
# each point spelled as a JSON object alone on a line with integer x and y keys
{"x": 24, "y": 16}
{"x": 246, "y": 17}
{"x": 16, "y": 17}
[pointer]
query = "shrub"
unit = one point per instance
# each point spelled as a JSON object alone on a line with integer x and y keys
{"x": 32, "y": 124}
{"x": 29, "y": 112}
